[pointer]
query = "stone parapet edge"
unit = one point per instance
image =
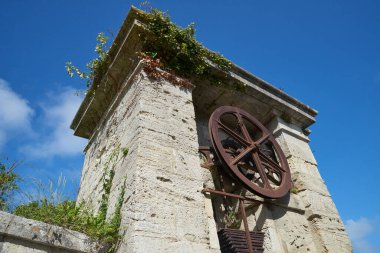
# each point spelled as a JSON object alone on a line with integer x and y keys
{"x": 46, "y": 234}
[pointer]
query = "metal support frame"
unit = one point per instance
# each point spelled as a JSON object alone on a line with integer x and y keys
{"x": 247, "y": 157}
{"x": 246, "y": 228}
{"x": 243, "y": 214}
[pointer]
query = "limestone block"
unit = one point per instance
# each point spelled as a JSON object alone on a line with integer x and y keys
{"x": 15, "y": 245}
{"x": 331, "y": 232}
{"x": 294, "y": 147}
{"x": 294, "y": 230}
{"x": 317, "y": 203}
{"x": 140, "y": 243}
{"x": 264, "y": 221}
{"x": 278, "y": 126}
{"x": 272, "y": 242}
{"x": 214, "y": 240}
{"x": 304, "y": 181}
{"x": 207, "y": 178}
{"x": 291, "y": 201}
{"x": 299, "y": 165}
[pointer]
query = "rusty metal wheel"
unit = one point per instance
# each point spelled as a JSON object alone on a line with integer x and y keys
{"x": 249, "y": 152}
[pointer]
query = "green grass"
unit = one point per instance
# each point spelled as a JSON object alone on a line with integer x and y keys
{"x": 50, "y": 206}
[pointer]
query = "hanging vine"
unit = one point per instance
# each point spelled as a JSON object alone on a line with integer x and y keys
{"x": 169, "y": 52}
{"x": 96, "y": 68}
{"x": 175, "y": 50}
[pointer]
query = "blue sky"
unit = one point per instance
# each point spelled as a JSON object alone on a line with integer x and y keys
{"x": 324, "y": 53}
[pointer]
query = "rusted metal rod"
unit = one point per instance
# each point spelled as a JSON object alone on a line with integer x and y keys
{"x": 226, "y": 194}
{"x": 246, "y": 228}
{"x": 294, "y": 209}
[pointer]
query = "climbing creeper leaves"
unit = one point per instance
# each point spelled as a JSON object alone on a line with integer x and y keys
{"x": 176, "y": 51}
{"x": 95, "y": 67}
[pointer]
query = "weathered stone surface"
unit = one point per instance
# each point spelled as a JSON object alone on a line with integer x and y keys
{"x": 18, "y": 234}
{"x": 15, "y": 245}
{"x": 303, "y": 181}
{"x": 294, "y": 230}
{"x": 320, "y": 211}
{"x": 161, "y": 211}
{"x": 332, "y": 236}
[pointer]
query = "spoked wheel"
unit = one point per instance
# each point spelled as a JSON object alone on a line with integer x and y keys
{"x": 249, "y": 152}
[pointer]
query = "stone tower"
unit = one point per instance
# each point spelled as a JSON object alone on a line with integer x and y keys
{"x": 148, "y": 133}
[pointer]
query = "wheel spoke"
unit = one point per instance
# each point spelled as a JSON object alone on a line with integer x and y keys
{"x": 243, "y": 128}
{"x": 249, "y": 167}
{"x": 241, "y": 155}
{"x": 273, "y": 179}
{"x": 233, "y": 134}
{"x": 262, "y": 139}
{"x": 261, "y": 170}
{"x": 270, "y": 163}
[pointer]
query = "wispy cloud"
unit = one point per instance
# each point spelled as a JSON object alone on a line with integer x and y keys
{"x": 15, "y": 113}
{"x": 41, "y": 133}
{"x": 359, "y": 231}
{"x": 57, "y": 138}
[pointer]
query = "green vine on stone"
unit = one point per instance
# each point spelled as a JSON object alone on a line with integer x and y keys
{"x": 125, "y": 151}
{"x": 231, "y": 218}
{"x": 169, "y": 52}
{"x": 80, "y": 217}
{"x": 112, "y": 237}
{"x": 108, "y": 175}
{"x": 116, "y": 218}
{"x": 176, "y": 51}
{"x": 96, "y": 67}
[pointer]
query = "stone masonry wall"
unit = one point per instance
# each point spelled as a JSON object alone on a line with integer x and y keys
{"x": 324, "y": 222}
{"x": 163, "y": 209}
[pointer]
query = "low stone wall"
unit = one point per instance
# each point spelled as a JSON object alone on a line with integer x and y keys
{"x": 19, "y": 234}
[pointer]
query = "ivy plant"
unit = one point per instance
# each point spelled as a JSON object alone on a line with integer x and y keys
{"x": 176, "y": 51}
{"x": 96, "y": 67}
{"x": 169, "y": 52}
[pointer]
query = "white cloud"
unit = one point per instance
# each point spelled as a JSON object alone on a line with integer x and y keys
{"x": 359, "y": 231}
{"x": 58, "y": 138}
{"x": 15, "y": 113}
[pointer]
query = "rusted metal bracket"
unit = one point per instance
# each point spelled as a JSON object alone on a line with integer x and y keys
{"x": 208, "y": 155}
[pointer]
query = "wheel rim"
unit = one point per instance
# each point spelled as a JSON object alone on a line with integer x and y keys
{"x": 249, "y": 152}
